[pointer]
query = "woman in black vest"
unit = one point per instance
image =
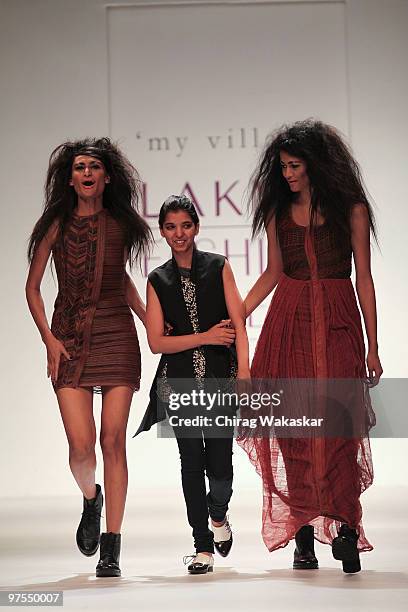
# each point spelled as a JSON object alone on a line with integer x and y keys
{"x": 195, "y": 293}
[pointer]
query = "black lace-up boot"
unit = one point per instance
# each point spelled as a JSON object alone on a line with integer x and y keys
{"x": 108, "y": 564}
{"x": 344, "y": 549}
{"x": 89, "y": 529}
{"x": 304, "y": 557}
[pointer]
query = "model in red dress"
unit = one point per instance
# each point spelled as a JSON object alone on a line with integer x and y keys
{"x": 308, "y": 195}
{"x": 91, "y": 227}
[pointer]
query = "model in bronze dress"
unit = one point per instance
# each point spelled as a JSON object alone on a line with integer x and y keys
{"x": 91, "y": 226}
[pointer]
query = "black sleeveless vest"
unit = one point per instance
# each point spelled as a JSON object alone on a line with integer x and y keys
{"x": 206, "y": 273}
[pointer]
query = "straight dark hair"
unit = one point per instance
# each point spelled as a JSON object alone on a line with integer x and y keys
{"x": 175, "y": 203}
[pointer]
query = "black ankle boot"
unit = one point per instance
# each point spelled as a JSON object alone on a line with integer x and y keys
{"x": 108, "y": 564}
{"x": 304, "y": 556}
{"x": 344, "y": 549}
{"x": 89, "y": 529}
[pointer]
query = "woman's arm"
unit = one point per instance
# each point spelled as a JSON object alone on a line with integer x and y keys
{"x": 270, "y": 277}
{"x": 236, "y": 311}
{"x": 33, "y": 284}
{"x": 160, "y": 343}
{"x": 360, "y": 241}
{"x": 134, "y": 300}
{"x": 36, "y": 304}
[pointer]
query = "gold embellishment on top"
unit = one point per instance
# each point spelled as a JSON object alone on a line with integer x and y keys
{"x": 189, "y": 294}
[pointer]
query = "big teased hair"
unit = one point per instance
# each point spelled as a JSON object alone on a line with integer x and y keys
{"x": 334, "y": 175}
{"x": 120, "y": 197}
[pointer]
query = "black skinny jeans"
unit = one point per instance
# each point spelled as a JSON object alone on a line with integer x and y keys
{"x": 212, "y": 456}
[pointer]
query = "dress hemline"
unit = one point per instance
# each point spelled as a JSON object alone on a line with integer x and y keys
{"x": 97, "y": 387}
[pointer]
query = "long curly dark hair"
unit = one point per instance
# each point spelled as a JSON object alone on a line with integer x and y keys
{"x": 120, "y": 197}
{"x": 334, "y": 175}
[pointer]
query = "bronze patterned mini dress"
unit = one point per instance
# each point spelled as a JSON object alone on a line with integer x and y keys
{"x": 91, "y": 315}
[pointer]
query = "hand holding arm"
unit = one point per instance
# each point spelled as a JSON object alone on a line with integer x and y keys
{"x": 159, "y": 342}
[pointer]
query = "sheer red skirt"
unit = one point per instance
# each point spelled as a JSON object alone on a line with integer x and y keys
{"x": 312, "y": 329}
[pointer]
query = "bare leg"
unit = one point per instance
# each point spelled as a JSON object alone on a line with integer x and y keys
{"x": 115, "y": 412}
{"x": 77, "y": 415}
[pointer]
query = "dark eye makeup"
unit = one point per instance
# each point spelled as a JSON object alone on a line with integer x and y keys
{"x": 94, "y": 166}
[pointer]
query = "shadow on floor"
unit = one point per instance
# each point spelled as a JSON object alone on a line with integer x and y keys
{"x": 325, "y": 577}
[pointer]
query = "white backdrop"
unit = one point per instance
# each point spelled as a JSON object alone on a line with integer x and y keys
{"x": 190, "y": 90}
{"x": 193, "y": 92}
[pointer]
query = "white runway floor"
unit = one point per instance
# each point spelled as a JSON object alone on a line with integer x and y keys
{"x": 38, "y": 552}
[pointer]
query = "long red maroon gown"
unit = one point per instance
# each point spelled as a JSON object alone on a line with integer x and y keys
{"x": 312, "y": 330}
